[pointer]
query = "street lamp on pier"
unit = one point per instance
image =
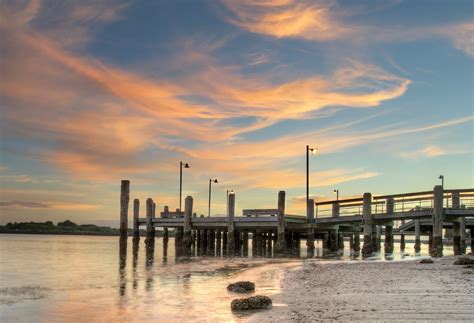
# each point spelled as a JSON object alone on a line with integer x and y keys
{"x": 209, "y": 206}
{"x": 181, "y": 165}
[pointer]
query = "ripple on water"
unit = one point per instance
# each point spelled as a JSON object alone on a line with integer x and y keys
{"x": 12, "y": 295}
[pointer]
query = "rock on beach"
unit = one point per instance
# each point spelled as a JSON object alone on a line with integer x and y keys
{"x": 252, "y": 303}
{"x": 241, "y": 287}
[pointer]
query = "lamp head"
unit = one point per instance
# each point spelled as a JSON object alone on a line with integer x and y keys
{"x": 186, "y": 165}
{"x": 314, "y": 151}
{"x": 441, "y": 176}
{"x": 215, "y": 181}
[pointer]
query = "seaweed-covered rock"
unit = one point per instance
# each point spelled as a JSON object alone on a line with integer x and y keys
{"x": 241, "y": 287}
{"x": 252, "y": 303}
{"x": 426, "y": 261}
{"x": 464, "y": 261}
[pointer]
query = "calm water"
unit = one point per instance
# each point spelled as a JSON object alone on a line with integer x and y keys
{"x": 82, "y": 278}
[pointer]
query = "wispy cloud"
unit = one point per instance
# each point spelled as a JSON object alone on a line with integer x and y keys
{"x": 432, "y": 151}
{"x": 24, "y": 204}
{"x": 312, "y": 20}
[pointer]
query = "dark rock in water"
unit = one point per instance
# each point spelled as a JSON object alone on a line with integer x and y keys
{"x": 252, "y": 303}
{"x": 464, "y": 261}
{"x": 426, "y": 261}
{"x": 241, "y": 287}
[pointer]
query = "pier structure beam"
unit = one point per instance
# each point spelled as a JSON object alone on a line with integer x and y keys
{"x": 437, "y": 247}
{"x": 245, "y": 246}
{"x": 187, "y": 239}
{"x": 218, "y": 242}
{"x": 310, "y": 237}
{"x": 136, "y": 215}
{"x": 417, "y": 236}
{"x": 368, "y": 247}
{"x": 357, "y": 244}
{"x": 231, "y": 225}
{"x": 280, "y": 246}
{"x": 124, "y": 200}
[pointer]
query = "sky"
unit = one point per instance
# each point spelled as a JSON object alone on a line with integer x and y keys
{"x": 93, "y": 92}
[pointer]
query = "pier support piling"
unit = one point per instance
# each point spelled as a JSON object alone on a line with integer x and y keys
{"x": 310, "y": 237}
{"x": 417, "y": 236}
{"x": 437, "y": 247}
{"x": 136, "y": 215}
{"x": 231, "y": 225}
{"x": 367, "y": 248}
{"x": 280, "y": 247}
{"x": 124, "y": 200}
{"x": 187, "y": 239}
{"x": 218, "y": 242}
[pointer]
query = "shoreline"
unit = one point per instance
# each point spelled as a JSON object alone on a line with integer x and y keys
{"x": 373, "y": 291}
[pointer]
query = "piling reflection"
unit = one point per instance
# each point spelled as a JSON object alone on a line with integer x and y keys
{"x": 122, "y": 265}
{"x": 136, "y": 247}
{"x": 149, "y": 259}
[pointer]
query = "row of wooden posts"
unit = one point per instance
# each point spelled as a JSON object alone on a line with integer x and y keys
{"x": 282, "y": 241}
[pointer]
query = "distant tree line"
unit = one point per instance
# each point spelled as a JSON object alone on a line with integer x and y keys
{"x": 65, "y": 227}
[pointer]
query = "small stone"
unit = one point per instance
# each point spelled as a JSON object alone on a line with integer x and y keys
{"x": 464, "y": 261}
{"x": 252, "y": 303}
{"x": 426, "y": 261}
{"x": 241, "y": 287}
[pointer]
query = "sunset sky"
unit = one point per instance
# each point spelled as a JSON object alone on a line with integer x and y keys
{"x": 92, "y": 92}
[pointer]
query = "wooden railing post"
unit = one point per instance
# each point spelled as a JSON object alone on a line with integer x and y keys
{"x": 367, "y": 248}
{"x": 281, "y": 243}
{"x": 231, "y": 225}
{"x": 124, "y": 200}
{"x": 437, "y": 247}
{"x": 136, "y": 215}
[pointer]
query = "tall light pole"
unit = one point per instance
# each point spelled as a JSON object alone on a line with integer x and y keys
{"x": 186, "y": 165}
{"x": 209, "y": 206}
{"x": 441, "y": 177}
{"x": 313, "y": 152}
{"x": 337, "y": 194}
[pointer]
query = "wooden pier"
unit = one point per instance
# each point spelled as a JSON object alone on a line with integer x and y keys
{"x": 273, "y": 232}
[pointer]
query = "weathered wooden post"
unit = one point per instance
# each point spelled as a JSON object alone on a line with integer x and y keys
{"x": 188, "y": 213}
{"x": 402, "y": 238}
{"x": 280, "y": 246}
{"x": 388, "y": 244}
{"x": 136, "y": 214}
{"x": 212, "y": 242}
{"x": 356, "y": 244}
{"x": 150, "y": 229}
{"x": 378, "y": 238}
{"x": 224, "y": 242}
{"x": 204, "y": 242}
{"x": 340, "y": 243}
{"x": 417, "y": 236}
{"x": 269, "y": 244}
{"x": 310, "y": 237}
{"x": 254, "y": 243}
{"x": 463, "y": 235}
{"x": 457, "y": 247}
{"x": 218, "y": 242}
{"x": 437, "y": 247}
{"x": 325, "y": 243}
{"x": 335, "y": 210}
{"x": 333, "y": 241}
{"x": 231, "y": 225}
{"x": 245, "y": 247}
{"x": 367, "y": 248}
{"x": 351, "y": 244}
{"x": 198, "y": 241}
{"x": 124, "y": 199}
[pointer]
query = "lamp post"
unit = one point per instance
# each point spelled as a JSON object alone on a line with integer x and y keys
{"x": 441, "y": 177}
{"x": 186, "y": 165}
{"x": 313, "y": 151}
{"x": 337, "y": 194}
{"x": 209, "y": 206}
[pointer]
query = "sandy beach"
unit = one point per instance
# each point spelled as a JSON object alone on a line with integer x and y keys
{"x": 374, "y": 291}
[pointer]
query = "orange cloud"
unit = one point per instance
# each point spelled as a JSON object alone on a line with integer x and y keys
{"x": 312, "y": 20}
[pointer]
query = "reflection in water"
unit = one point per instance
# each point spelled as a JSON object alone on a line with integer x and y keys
{"x": 136, "y": 245}
{"x": 122, "y": 264}
{"x": 150, "y": 255}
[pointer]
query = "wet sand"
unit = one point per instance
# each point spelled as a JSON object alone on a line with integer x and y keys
{"x": 374, "y": 291}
